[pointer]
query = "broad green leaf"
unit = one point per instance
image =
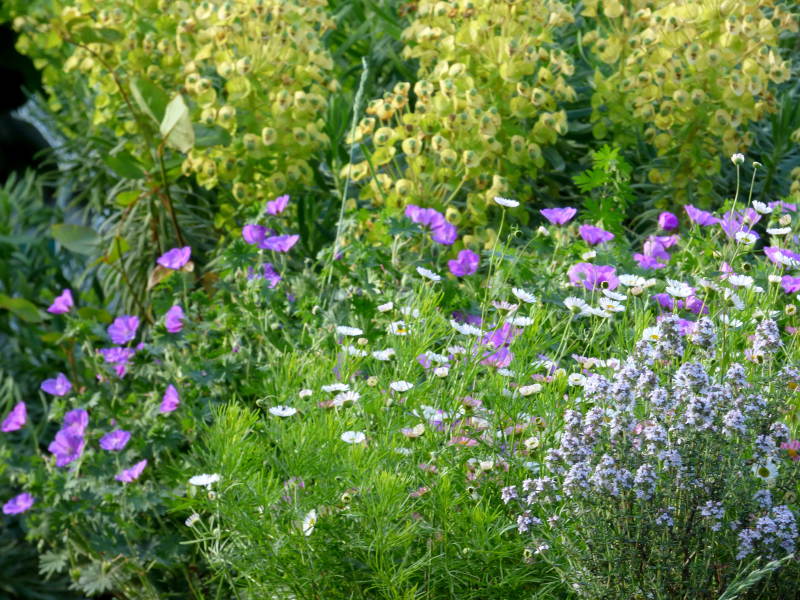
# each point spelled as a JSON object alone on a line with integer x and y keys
{"x": 24, "y": 309}
{"x": 127, "y": 198}
{"x": 150, "y": 98}
{"x": 91, "y": 35}
{"x": 78, "y": 238}
{"x": 176, "y": 127}
{"x": 119, "y": 246}
{"x": 124, "y": 165}
{"x": 210, "y": 136}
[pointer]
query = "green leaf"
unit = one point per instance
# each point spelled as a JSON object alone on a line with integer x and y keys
{"x": 127, "y": 198}
{"x": 51, "y": 563}
{"x": 119, "y": 246}
{"x": 22, "y": 308}
{"x": 94, "y": 314}
{"x": 78, "y": 238}
{"x": 176, "y": 127}
{"x": 150, "y": 98}
{"x": 210, "y": 136}
{"x": 124, "y": 165}
{"x": 552, "y": 156}
{"x": 101, "y": 35}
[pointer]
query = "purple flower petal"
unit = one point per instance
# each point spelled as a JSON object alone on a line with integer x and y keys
{"x": 254, "y": 234}
{"x": 76, "y": 420}
{"x": 668, "y": 221}
{"x": 700, "y": 217}
{"x": 116, "y": 355}
{"x": 175, "y": 258}
{"x": 62, "y": 304}
{"x": 123, "y": 329}
{"x": 174, "y": 319}
{"x": 593, "y": 277}
{"x": 131, "y": 474}
{"x": 278, "y": 205}
{"x": 271, "y": 275}
{"x": 790, "y": 284}
{"x": 595, "y": 235}
{"x": 67, "y": 446}
{"x": 18, "y": 504}
{"x": 116, "y": 440}
{"x": 559, "y": 216}
{"x": 16, "y": 419}
{"x": 465, "y": 264}
{"x": 60, "y": 386}
{"x": 171, "y": 400}
{"x": 279, "y": 243}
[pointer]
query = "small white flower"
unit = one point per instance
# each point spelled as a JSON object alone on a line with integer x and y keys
{"x": 527, "y": 390}
{"x": 779, "y": 230}
{"x": 282, "y": 411}
{"x": 595, "y": 312}
{"x": 767, "y": 471}
{"x": 632, "y": 280}
{"x": 348, "y": 331}
{"x": 353, "y": 351}
{"x": 192, "y": 519}
{"x": 523, "y": 295}
{"x": 507, "y": 202}
{"x": 542, "y": 230}
{"x": 576, "y": 379}
{"x": 428, "y": 274}
{"x": 574, "y": 304}
{"x": 383, "y": 355}
{"x": 774, "y": 278}
{"x": 761, "y": 208}
{"x": 614, "y": 295}
{"x": 505, "y": 306}
{"x": 745, "y": 237}
{"x": 204, "y": 479}
{"x": 740, "y": 280}
{"x": 589, "y": 255}
{"x": 520, "y": 321}
{"x": 650, "y": 333}
{"x": 456, "y": 350}
{"x": 349, "y": 396}
{"x": 309, "y": 521}
{"x": 304, "y": 393}
{"x": 403, "y": 451}
{"x": 678, "y": 289}
{"x": 734, "y": 298}
{"x": 731, "y": 322}
{"x": 401, "y": 386}
{"x": 437, "y": 358}
{"x": 441, "y": 371}
{"x": 353, "y": 437}
{"x": 609, "y": 305}
{"x": 335, "y": 387}
{"x": 398, "y": 328}
{"x": 737, "y": 158}
{"x": 465, "y": 328}
{"x": 408, "y": 311}
{"x": 506, "y": 372}
{"x": 386, "y": 307}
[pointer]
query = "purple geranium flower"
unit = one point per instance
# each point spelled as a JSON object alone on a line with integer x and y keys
{"x": 116, "y": 355}
{"x": 700, "y": 217}
{"x": 279, "y": 243}
{"x": 132, "y": 474}
{"x": 175, "y": 258}
{"x": 174, "y": 319}
{"x": 115, "y": 440}
{"x": 442, "y": 232}
{"x": 780, "y": 256}
{"x": 171, "y": 400}
{"x": 501, "y": 336}
{"x": 666, "y": 301}
{"x": 76, "y": 420}
{"x": 696, "y": 305}
{"x": 123, "y": 329}
{"x": 654, "y": 248}
{"x": 559, "y": 216}
{"x": 500, "y": 359}
{"x": 254, "y": 234}
{"x": 732, "y": 223}
{"x": 648, "y": 262}
{"x": 18, "y": 504}
{"x": 278, "y": 205}
{"x": 786, "y": 206}
{"x": 271, "y": 275}
{"x": 60, "y": 386}
{"x": 67, "y": 446}
{"x": 667, "y": 221}
{"x": 593, "y": 276}
{"x": 16, "y": 418}
{"x": 595, "y": 235}
{"x": 465, "y": 264}
{"x": 62, "y": 304}
{"x": 790, "y": 284}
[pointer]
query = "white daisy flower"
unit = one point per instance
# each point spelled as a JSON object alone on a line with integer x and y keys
{"x": 761, "y": 208}
{"x": 456, "y": 350}
{"x": 505, "y": 306}
{"x": 441, "y": 371}
{"x": 353, "y": 351}
{"x": 204, "y": 479}
{"x": 520, "y": 321}
{"x": 523, "y": 295}
{"x": 678, "y": 289}
{"x": 437, "y": 358}
{"x": 348, "y": 331}
{"x": 779, "y": 230}
{"x": 507, "y": 202}
{"x": 192, "y": 519}
{"x": 408, "y": 311}
{"x": 632, "y": 280}
{"x": 282, "y": 411}
{"x": 734, "y": 298}
{"x": 767, "y": 471}
{"x": 577, "y": 379}
{"x": 353, "y": 437}
{"x": 384, "y": 354}
{"x": 650, "y": 333}
{"x": 741, "y": 280}
{"x": 428, "y": 274}
{"x": 349, "y": 396}
{"x": 609, "y": 305}
{"x": 574, "y": 304}
{"x": 774, "y": 278}
{"x": 465, "y": 328}
{"x": 386, "y": 307}
{"x": 527, "y": 390}
{"x": 401, "y": 386}
{"x": 614, "y": 295}
{"x": 398, "y": 328}
{"x": 335, "y": 387}
{"x": 737, "y": 158}
{"x": 745, "y": 237}
{"x": 309, "y": 521}
{"x": 595, "y": 312}
{"x": 304, "y": 393}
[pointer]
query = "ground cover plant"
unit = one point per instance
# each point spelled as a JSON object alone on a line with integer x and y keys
{"x": 389, "y": 300}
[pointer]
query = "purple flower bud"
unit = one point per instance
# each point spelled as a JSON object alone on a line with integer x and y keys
{"x": 62, "y": 304}
{"x": 175, "y": 258}
{"x": 16, "y": 418}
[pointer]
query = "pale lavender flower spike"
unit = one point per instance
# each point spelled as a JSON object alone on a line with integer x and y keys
{"x": 123, "y": 329}
{"x": 16, "y": 418}
{"x": 133, "y": 473}
{"x": 62, "y": 304}
{"x": 175, "y": 258}
{"x": 60, "y": 386}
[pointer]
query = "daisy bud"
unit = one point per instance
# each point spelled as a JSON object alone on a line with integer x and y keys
{"x": 637, "y": 291}
{"x": 737, "y": 158}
